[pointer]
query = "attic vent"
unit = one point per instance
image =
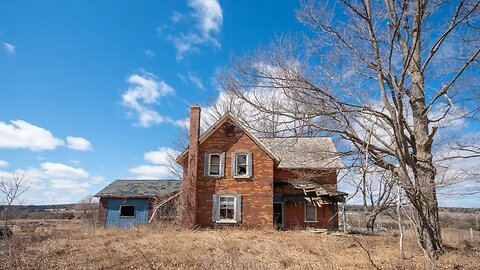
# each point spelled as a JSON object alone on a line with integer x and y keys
{"x": 230, "y": 129}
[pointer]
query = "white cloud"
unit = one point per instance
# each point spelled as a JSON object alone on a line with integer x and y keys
{"x": 163, "y": 156}
{"x": 151, "y": 171}
{"x": 78, "y": 143}
{"x": 59, "y": 170}
{"x": 149, "y": 53}
{"x": 209, "y": 14}
{"x": 70, "y": 186}
{"x": 145, "y": 90}
{"x": 208, "y": 17}
{"x": 3, "y": 163}
{"x": 176, "y": 16}
{"x": 195, "y": 80}
{"x": 97, "y": 180}
{"x": 21, "y": 134}
{"x": 10, "y": 48}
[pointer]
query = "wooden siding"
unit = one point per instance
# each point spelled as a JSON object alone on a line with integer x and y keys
{"x": 113, "y": 218}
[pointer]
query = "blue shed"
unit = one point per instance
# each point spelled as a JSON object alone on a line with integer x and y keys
{"x": 127, "y": 203}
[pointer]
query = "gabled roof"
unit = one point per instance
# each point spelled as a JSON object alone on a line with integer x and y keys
{"x": 304, "y": 152}
{"x": 139, "y": 188}
{"x": 219, "y": 123}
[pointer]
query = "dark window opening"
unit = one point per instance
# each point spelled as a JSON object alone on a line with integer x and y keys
{"x": 127, "y": 211}
{"x": 241, "y": 164}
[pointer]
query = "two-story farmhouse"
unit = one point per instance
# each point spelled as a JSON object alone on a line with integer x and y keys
{"x": 231, "y": 177}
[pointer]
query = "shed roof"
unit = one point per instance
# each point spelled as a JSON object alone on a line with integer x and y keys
{"x": 139, "y": 188}
{"x": 304, "y": 152}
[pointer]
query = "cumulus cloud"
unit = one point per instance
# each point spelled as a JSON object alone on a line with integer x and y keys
{"x": 55, "y": 183}
{"x": 21, "y": 134}
{"x": 208, "y": 18}
{"x": 162, "y": 156}
{"x": 10, "y": 48}
{"x": 162, "y": 160}
{"x": 145, "y": 91}
{"x": 151, "y": 171}
{"x": 70, "y": 185}
{"x": 78, "y": 143}
{"x": 3, "y": 163}
{"x": 59, "y": 170}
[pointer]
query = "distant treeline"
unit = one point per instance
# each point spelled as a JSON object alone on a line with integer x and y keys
{"x": 359, "y": 208}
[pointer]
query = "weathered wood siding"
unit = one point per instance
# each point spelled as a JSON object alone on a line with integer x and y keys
{"x": 113, "y": 218}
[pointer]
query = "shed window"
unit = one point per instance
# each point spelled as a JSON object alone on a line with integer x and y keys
{"x": 127, "y": 211}
{"x": 310, "y": 212}
{"x": 214, "y": 165}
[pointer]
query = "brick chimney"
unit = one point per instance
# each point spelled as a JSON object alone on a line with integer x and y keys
{"x": 190, "y": 185}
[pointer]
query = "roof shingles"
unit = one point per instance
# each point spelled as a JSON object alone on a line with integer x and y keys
{"x": 304, "y": 152}
{"x": 139, "y": 188}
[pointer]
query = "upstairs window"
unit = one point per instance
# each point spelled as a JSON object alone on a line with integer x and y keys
{"x": 127, "y": 211}
{"x": 214, "y": 165}
{"x": 242, "y": 166}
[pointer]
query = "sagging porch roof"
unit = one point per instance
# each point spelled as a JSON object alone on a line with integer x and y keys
{"x": 312, "y": 192}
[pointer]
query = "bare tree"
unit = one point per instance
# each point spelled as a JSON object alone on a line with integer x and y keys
{"x": 87, "y": 209}
{"x": 11, "y": 189}
{"x": 395, "y": 69}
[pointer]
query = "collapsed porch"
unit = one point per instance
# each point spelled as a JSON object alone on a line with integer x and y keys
{"x": 300, "y": 203}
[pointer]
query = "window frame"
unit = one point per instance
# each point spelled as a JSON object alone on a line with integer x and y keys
{"x": 305, "y": 212}
{"x": 227, "y": 220}
{"x": 247, "y": 165}
{"x": 120, "y": 211}
{"x": 219, "y": 164}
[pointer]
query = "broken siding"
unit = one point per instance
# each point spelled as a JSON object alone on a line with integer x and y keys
{"x": 113, "y": 213}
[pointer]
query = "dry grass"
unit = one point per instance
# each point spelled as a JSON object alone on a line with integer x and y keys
{"x": 76, "y": 246}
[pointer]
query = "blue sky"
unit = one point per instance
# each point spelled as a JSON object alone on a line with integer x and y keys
{"x": 92, "y": 91}
{"x": 73, "y": 77}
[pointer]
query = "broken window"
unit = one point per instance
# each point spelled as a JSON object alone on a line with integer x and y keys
{"x": 127, "y": 211}
{"x": 227, "y": 207}
{"x": 241, "y": 165}
{"x": 310, "y": 212}
{"x": 214, "y": 165}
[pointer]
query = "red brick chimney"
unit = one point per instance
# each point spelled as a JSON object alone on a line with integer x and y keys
{"x": 190, "y": 185}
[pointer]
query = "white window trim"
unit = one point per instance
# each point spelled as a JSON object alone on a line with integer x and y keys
{"x": 247, "y": 169}
{"x": 305, "y": 213}
{"x": 227, "y": 220}
{"x": 219, "y": 164}
{"x": 120, "y": 211}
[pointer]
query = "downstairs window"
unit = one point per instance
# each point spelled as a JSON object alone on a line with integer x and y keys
{"x": 310, "y": 212}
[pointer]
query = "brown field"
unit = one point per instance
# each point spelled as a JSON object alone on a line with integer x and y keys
{"x": 74, "y": 245}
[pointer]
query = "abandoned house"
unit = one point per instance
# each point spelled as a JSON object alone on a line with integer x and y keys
{"x": 126, "y": 203}
{"x": 233, "y": 178}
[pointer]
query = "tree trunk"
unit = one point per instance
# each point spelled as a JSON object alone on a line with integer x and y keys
{"x": 427, "y": 219}
{"x": 371, "y": 221}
